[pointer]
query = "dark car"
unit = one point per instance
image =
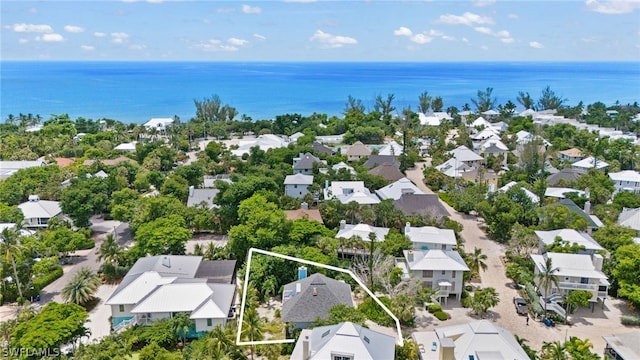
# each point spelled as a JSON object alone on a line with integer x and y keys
{"x": 521, "y": 306}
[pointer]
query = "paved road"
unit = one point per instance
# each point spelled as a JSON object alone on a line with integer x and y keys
{"x": 602, "y": 321}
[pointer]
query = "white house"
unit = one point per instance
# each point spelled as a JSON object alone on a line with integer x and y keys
{"x": 160, "y": 124}
{"x": 8, "y": 168}
{"x": 626, "y": 180}
{"x": 561, "y": 192}
{"x": 463, "y": 154}
{"x": 158, "y": 287}
{"x": 590, "y": 163}
{"x": 362, "y": 231}
{"x": 343, "y": 341}
{"x": 479, "y": 339}
{"x": 430, "y": 237}
{"x": 396, "y": 189}
{"x": 202, "y": 197}
{"x": 453, "y": 168}
{"x": 623, "y": 346}
{"x": 630, "y": 218}
{"x": 37, "y": 213}
{"x": 263, "y": 142}
{"x": 127, "y": 147}
{"x": 574, "y": 272}
{"x": 568, "y": 236}
{"x": 571, "y": 155}
{"x": 439, "y": 270}
{"x": 533, "y": 197}
{"x": 342, "y": 165}
{"x": 297, "y": 186}
{"x": 392, "y": 149}
{"x": 347, "y": 191}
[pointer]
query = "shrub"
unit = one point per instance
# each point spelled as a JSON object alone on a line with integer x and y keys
{"x": 630, "y": 320}
{"x": 446, "y": 198}
{"x": 41, "y": 282}
{"x": 441, "y": 315}
{"x": 375, "y": 313}
{"x": 432, "y": 308}
{"x": 534, "y": 300}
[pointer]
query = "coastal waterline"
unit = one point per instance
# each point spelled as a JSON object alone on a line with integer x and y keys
{"x": 137, "y": 91}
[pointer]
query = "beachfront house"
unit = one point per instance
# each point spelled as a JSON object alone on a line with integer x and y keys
{"x": 343, "y": 341}
{"x": 37, "y": 213}
{"x": 626, "y": 180}
{"x": 479, "y": 339}
{"x": 310, "y": 298}
{"x": 159, "y": 287}
{"x": 297, "y": 186}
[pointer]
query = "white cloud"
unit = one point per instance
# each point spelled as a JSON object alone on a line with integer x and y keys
{"x": 437, "y": 33}
{"x": 483, "y": 3}
{"x": 214, "y": 45}
{"x": 402, "y": 31}
{"x": 421, "y": 39}
{"x": 50, "y": 38}
{"x": 23, "y": 40}
{"x": 259, "y": 37}
{"x": 99, "y": 34}
{"x": 447, "y": 37}
{"x": 247, "y": 9}
{"x": 119, "y": 37}
{"x": 464, "y": 19}
{"x": 73, "y": 29}
{"x": 228, "y": 48}
{"x": 137, "y": 47}
{"x": 513, "y": 16}
{"x": 612, "y": 7}
{"x": 507, "y": 40}
{"x": 87, "y": 47}
{"x": 31, "y": 28}
{"x": 536, "y": 45}
{"x": 503, "y": 35}
{"x": 591, "y": 39}
{"x": 484, "y": 30}
{"x": 464, "y": 39}
{"x": 237, "y": 42}
{"x": 332, "y": 41}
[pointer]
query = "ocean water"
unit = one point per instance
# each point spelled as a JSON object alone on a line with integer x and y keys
{"x": 137, "y": 91}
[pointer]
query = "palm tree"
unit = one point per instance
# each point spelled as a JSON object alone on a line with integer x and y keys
{"x": 11, "y": 246}
{"x": 252, "y": 327}
{"x": 110, "y": 251}
{"x": 476, "y": 261}
{"x": 547, "y": 279}
{"x": 181, "y": 324}
{"x": 351, "y": 211}
{"x": 553, "y": 351}
{"x": 81, "y": 287}
{"x": 523, "y": 344}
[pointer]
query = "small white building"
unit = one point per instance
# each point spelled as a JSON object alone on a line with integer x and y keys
{"x": 533, "y": 197}
{"x": 590, "y": 163}
{"x": 362, "y": 231}
{"x": 160, "y": 124}
{"x": 37, "y": 213}
{"x": 396, "y": 189}
{"x": 626, "y": 180}
{"x": 297, "y": 186}
{"x": 437, "y": 269}
{"x": 347, "y": 191}
{"x": 430, "y": 237}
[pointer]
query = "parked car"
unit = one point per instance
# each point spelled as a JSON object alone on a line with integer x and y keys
{"x": 521, "y": 306}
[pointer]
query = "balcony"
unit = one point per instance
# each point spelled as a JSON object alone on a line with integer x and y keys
{"x": 577, "y": 286}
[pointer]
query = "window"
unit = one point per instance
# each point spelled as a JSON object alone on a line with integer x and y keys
{"x": 444, "y": 247}
{"x": 453, "y": 274}
{"x": 427, "y": 273}
{"x": 209, "y": 322}
{"x": 295, "y": 186}
{"x": 121, "y": 308}
{"x": 443, "y": 272}
{"x": 341, "y": 357}
{"x": 584, "y": 280}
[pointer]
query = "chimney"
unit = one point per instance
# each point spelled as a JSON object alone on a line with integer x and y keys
{"x": 34, "y": 198}
{"x": 407, "y": 228}
{"x": 343, "y": 223}
{"x": 410, "y": 255}
{"x": 306, "y": 352}
{"x": 304, "y": 206}
{"x": 587, "y": 207}
{"x": 447, "y": 347}
{"x": 597, "y": 260}
{"x": 166, "y": 261}
{"x": 302, "y": 272}
{"x": 191, "y": 190}
{"x": 315, "y": 291}
{"x": 326, "y": 184}
{"x": 298, "y": 288}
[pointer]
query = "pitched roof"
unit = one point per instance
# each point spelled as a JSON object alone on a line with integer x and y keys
{"x": 362, "y": 197}
{"x": 463, "y": 153}
{"x": 590, "y": 163}
{"x": 139, "y": 288}
{"x": 569, "y": 204}
{"x": 345, "y": 338}
{"x": 342, "y": 165}
{"x": 567, "y": 174}
{"x": 362, "y": 231}
{"x": 311, "y": 214}
{"x": 534, "y": 198}
{"x": 435, "y": 260}
{"x": 158, "y": 123}
{"x": 578, "y": 265}
{"x": 305, "y": 162}
{"x": 40, "y": 209}
{"x": 110, "y": 162}
{"x": 167, "y": 265}
{"x": 185, "y": 297}
{"x": 573, "y": 152}
{"x": 396, "y": 189}
{"x": 561, "y": 192}
{"x": 630, "y": 218}
{"x": 387, "y": 171}
{"x": 626, "y": 345}
{"x": 392, "y": 148}
{"x": 217, "y": 271}
{"x": 625, "y": 175}
{"x": 318, "y": 294}
{"x": 377, "y": 159}
{"x": 198, "y": 196}
{"x": 63, "y": 162}
{"x": 8, "y": 167}
{"x": 358, "y": 149}
{"x": 321, "y": 148}
{"x": 569, "y": 236}
{"x": 298, "y": 179}
{"x": 430, "y": 234}
{"x": 424, "y": 204}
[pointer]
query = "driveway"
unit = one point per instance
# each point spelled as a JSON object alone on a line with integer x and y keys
{"x": 603, "y": 321}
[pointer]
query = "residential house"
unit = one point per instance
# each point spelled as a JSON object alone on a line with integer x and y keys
{"x": 433, "y": 119}
{"x": 480, "y": 123}
{"x": 127, "y": 147}
{"x": 479, "y": 339}
{"x": 342, "y": 165}
{"x": 304, "y": 164}
{"x": 297, "y": 186}
{"x": 566, "y": 175}
{"x": 490, "y": 114}
{"x": 363, "y": 231}
{"x": 8, "y": 168}
{"x": 304, "y": 213}
{"x": 310, "y": 298}
{"x": 322, "y": 149}
{"x": 347, "y": 191}
{"x": 463, "y": 154}
{"x": 62, "y": 162}
{"x": 561, "y": 192}
{"x": 160, "y": 124}
{"x": 263, "y": 142}
{"x": 330, "y": 139}
{"x": 37, "y": 213}
{"x": 593, "y": 222}
{"x": 500, "y": 126}
{"x": 567, "y": 236}
{"x": 574, "y": 272}
{"x": 357, "y": 151}
{"x": 159, "y": 287}
{"x": 571, "y": 155}
{"x": 343, "y": 341}
{"x": 209, "y": 181}
{"x": 440, "y": 270}
{"x": 397, "y": 189}
{"x": 430, "y": 237}
{"x": 590, "y": 163}
{"x": 387, "y": 171}
{"x": 494, "y": 148}
{"x": 421, "y": 204}
{"x": 630, "y": 218}
{"x": 624, "y": 346}
{"x": 626, "y": 180}
{"x": 294, "y": 137}
{"x": 202, "y": 197}
{"x": 485, "y": 134}
{"x": 110, "y": 162}
{"x": 391, "y": 149}
{"x": 453, "y": 168}
{"x": 377, "y": 159}
{"x": 533, "y": 197}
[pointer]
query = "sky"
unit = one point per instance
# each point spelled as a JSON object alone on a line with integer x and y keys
{"x": 307, "y": 30}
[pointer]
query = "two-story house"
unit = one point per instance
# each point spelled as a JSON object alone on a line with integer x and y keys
{"x": 357, "y": 151}
{"x": 571, "y": 155}
{"x": 304, "y": 163}
{"x": 567, "y": 237}
{"x": 430, "y": 238}
{"x": 297, "y": 186}
{"x": 626, "y": 180}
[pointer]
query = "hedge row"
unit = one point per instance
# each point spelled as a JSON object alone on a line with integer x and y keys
{"x": 630, "y": 320}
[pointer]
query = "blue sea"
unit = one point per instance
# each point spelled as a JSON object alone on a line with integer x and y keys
{"x": 137, "y": 91}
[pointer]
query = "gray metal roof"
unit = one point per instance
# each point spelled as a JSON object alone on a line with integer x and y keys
{"x": 306, "y": 162}
{"x": 317, "y": 295}
{"x": 350, "y": 339}
{"x": 424, "y": 204}
{"x": 218, "y": 271}
{"x": 375, "y": 160}
{"x": 200, "y": 196}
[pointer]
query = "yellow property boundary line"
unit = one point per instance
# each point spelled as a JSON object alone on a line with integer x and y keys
{"x": 303, "y": 261}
